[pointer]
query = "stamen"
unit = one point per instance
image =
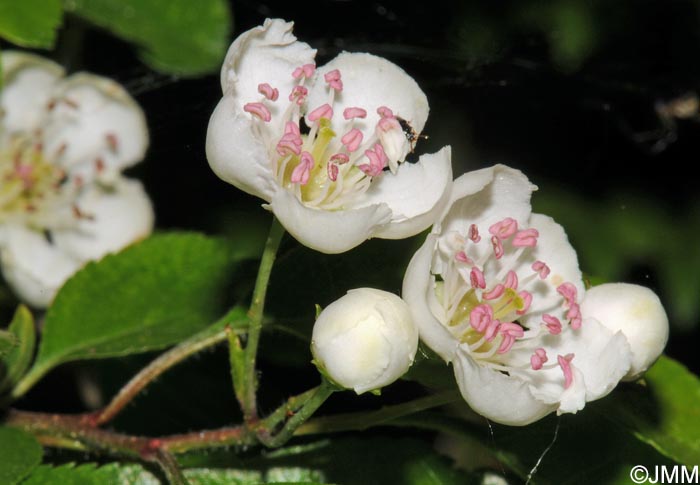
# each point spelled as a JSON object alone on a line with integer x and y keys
{"x": 526, "y": 238}
{"x": 538, "y": 359}
{"x": 340, "y": 158}
{"x": 112, "y": 142}
{"x": 302, "y": 172}
{"x": 526, "y": 296}
{"x": 477, "y": 279}
{"x": 352, "y": 140}
{"x": 497, "y": 247}
{"x": 505, "y": 228}
{"x": 552, "y": 323}
{"x": 377, "y": 161}
{"x": 496, "y": 292}
{"x": 268, "y": 91}
{"x": 509, "y": 332}
{"x": 511, "y": 280}
{"x": 259, "y": 110}
{"x": 481, "y": 317}
{"x": 385, "y": 112}
{"x": 350, "y": 113}
{"x": 307, "y": 70}
{"x": 565, "y": 364}
{"x": 462, "y": 257}
{"x": 568, "y": 291}
{"x": 474, "y": 233}
{"x": 541, "y": 268}
{"x": 323, "y": 111}
{"x": 574, "y": 315}
{"x": 332, "y": 171}
{"x": 291, "y": 141}
{"x": 299, "y": 94}
{"x": 333, "y": 80}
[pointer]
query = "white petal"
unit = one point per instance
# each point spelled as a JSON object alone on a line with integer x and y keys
{"x": 265, "y": 54}
{"x": 487, "y": 196}
{"x": 574, "y": 398}
{"x": 33, "y": 267}
{"x": 416, "y": 194}
{"x": 370, "y": 82}
{"x": 236, "y": 153}
{"x": 329, "y": 232}
{"x": 637, "y": 312}
{"x": 115, "y": 218}
{"x": 496, "y": 396}
{"x": 554, "y": 249}
{"x": 95, "y": 119}
{"x": 419, "y": 291}
{"x": 28, "y": 82}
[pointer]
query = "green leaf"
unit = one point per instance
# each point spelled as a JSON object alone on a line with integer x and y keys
{"x": 151, "y": 295}
{"x": 90, "y": 474}
{"x": 18, "y": 359}
{"x": 30, "y": 23}
{"x": 177, "y": 36}
{"x": 19, "y": 454}
{"x": 662, "y": 411}
{"x": 7, "y": 342}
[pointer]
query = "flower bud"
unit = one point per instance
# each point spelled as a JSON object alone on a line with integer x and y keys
{"x": 637, "y": 312}
{"x": 365, "y": 340}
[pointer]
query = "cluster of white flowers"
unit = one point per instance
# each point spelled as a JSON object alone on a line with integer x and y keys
{"x": 495, "y": 290}
{"x": 63, "y": 201}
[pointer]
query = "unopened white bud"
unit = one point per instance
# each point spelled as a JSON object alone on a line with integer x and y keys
{"x": 365, "y": 340}
{"x": 637, "y": 312}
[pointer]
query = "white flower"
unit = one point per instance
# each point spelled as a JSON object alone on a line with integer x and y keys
{"x": 328, "y": 186}
{"x": 365, "y": 340}
{"x": 637, "y": 312}
{"x": 63, "y": 201}
{"x": 496, "y": 290}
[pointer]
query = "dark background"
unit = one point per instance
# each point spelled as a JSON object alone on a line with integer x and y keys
{"x": 568, "y": 91}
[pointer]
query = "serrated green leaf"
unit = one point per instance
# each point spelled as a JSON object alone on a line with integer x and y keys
{"x": 91, "y": 474}
{"x": 18, "y": 359}
{"x": 149, "y": 296}
{"x": 177, "y": 36}
{"x": 30, "y": 23}
{"x": 19, "y": 454}
{"x": 662, "y": 411}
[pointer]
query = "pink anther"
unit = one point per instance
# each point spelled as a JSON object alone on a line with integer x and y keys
{"x": 389, "y": 124}
{"x": 526, "y": 296}
{"x": 307, "y": 70}
{"x": 526, "y": 238}
{"x": 496, "y": 292}
{"x": 497, "y": 247}
{"x": 323, "y": 111}
{"x": 302, "y": 172}
{"x": 340, "y": 158}
{"x": 352, "y": 139}
{"x": 299, "y": 94}
{"x": 377, "y": 161}
{"x": 552, "y": 323}
{"x": 332, "y": 171}
{"x": 568, "y": 291}
{"x": 511, "y": 280}
{"x": 538, "y": 359}
{"x": 385, "y": 112}
{"x": 492, "y": 330}
{"x": 462, "y": 257}
{"x": 259, "y": 110}
{"x": 574, "y": 316}
{"x": 474, "y": 233}
{"x": 541, "y": 268}
{"x": 505, "y": 228}
{"x": 481, "y": 317}
{"x": 291, "y": 141}
{"x": 509, "y": 333}
{"x": 349, "y": 113}
{"x": 268, "y": 91}
{"x": 565, "y": 364}
{"x": 476, "y": 277}
{"x": 333, "y": 79}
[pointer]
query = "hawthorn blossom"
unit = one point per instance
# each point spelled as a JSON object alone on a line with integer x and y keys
{"x": 365, "y": 340}
{"x": 63, "y": 201}
{"x": 325, "y": 147}
{"x": 496, "y": 290}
